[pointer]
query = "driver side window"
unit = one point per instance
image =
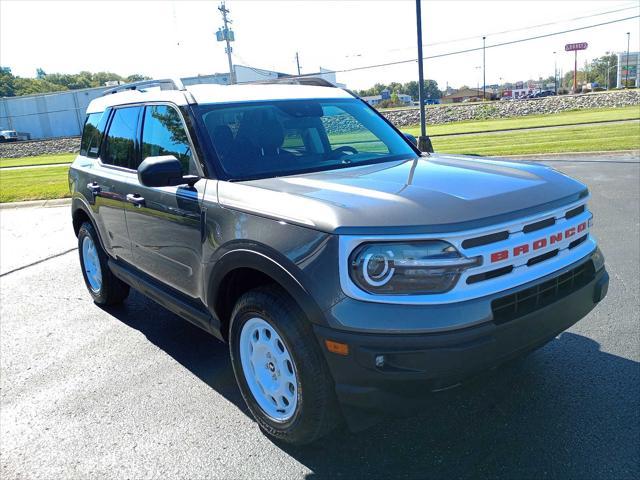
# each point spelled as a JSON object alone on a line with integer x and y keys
{"x": 163, "y": 133}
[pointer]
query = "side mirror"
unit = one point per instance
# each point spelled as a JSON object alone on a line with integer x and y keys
{"x": 163, "y": 171}
{"x": 411, "y": 138}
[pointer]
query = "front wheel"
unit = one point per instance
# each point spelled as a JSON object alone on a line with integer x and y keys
{"x": 279, "y": 368}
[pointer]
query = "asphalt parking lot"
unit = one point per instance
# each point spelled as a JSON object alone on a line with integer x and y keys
{"x": 136, "y": 392}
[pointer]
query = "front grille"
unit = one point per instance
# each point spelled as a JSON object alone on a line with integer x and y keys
{"x": 543, "y": 257}
{"x": 532, "y": 227}
{"x": 533, "y": 298}
{"x": 577, "y": 242}
{"x": 574, "y": 212}
{"x": 485, "y": 239}
{"x": 498, "y": 272}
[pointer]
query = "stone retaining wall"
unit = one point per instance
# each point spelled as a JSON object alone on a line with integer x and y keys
{"x": 401, "y": 118}
{"x": 40, "y": 147}
{"x": 516, "y": 108}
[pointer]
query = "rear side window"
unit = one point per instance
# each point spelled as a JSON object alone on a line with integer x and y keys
{"x": 120, "y": 144}
{"x": 163, "y": 133}
{"x": 92, "y": 134}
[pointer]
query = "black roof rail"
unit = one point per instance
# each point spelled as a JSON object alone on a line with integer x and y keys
{"x": 313, "y": 81}
{"x": 164, "y": 84}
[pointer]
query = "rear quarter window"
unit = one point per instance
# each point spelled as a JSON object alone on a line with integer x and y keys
{"x": 120, "y": 142}
{"x": 94, "y": 126}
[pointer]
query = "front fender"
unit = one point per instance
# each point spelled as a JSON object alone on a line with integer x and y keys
{"x": 267, "y": 261}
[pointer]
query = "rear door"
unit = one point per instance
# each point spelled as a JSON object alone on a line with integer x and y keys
{"x": 119, "y": 152}
{"x": 165, "y": 222}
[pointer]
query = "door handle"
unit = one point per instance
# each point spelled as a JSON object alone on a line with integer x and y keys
{"x": 136, "y": 199}
{"x": 93, "y": 187}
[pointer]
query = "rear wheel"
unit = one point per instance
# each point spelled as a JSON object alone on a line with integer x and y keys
{"x": 279, "y": 367}
{"x": 104, "y": 287}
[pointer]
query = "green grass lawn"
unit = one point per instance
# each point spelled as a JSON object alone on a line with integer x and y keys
{"x": 39, "y": 160}
{"x": 51, "y": 182}
{"x": 562, "y": 118}
{"x": 33, "y": 184}
{"x": 591, "y": 138}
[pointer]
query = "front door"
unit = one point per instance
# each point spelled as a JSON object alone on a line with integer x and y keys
{"x": 114, "y": 175}
{"x": 164, "y": 223}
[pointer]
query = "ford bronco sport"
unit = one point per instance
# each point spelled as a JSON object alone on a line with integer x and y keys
{"x": 348, "y": 271}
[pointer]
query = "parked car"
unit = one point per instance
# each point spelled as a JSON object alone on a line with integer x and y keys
{"x": 348, "y": 271}
{"x": 8, "y": 135}
{"x": 544, "y": 93}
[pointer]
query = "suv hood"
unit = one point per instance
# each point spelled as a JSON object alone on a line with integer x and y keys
{"x": 439, "y": 193}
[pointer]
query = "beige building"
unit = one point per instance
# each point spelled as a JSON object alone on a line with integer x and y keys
{"x": 466, "y": 94}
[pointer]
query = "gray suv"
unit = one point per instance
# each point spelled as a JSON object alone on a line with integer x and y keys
{"x": 349, "y": 272}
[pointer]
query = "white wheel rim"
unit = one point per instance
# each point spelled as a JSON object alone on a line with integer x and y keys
{"x": 91, "y": 264}
{"x": 268, "y": 369}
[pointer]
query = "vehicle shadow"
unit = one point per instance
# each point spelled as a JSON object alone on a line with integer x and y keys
{"x": 568, "y": 410}
{"x": 202, "y": 354}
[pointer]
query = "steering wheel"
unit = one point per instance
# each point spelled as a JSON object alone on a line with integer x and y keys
{"x": 344, "y": 149}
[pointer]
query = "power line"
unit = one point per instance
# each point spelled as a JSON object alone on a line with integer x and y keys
{"x": 474, "y": 49}
{"x": 531, "y": 27}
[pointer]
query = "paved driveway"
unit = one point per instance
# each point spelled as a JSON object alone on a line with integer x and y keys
{"x": 135, "y": 392}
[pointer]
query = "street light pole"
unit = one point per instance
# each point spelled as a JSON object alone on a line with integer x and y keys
{"x": 424, "y": 143}
{"x": 484, "y": 71}
{"x": 626, "y": 75}
{"x": 555, "y": 72}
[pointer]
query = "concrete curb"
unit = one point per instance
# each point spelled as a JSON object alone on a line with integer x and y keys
{"x": 569, "y": 154}
{"x": 24, "y": 167}
{"x": 58, "y": 202}
{"x": 535, "y": 127}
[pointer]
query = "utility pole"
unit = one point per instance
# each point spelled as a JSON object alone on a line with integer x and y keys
{"x": 575, "y": 71}
{"x": 484, "y": 71}
{"x": 298, "y": 63}
{"x": 424, "y": 143}
{"x": 226, "y": 35}
{"x": 626, "y": 75}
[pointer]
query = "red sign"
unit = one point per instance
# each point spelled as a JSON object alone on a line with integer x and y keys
{"x": 570, "y": 47}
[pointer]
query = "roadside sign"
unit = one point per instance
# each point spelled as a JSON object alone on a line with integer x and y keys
{"x": 572, "y": 47}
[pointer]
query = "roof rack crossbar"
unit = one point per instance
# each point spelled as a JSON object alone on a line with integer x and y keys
{"x": 164, "y": 84}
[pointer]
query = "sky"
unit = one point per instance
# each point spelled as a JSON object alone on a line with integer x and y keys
{"x": 177, "y": 38}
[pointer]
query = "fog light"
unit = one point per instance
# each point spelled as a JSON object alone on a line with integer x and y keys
{"x": 379, "y": 361}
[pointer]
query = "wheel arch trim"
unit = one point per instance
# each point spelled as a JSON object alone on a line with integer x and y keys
{"x": 252, "y": 258}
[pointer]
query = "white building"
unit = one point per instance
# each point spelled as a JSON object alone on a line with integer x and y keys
{"x": 374, "y": 100}
{"x": 62, "y": 114}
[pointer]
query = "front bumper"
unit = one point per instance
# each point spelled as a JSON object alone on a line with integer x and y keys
{"x": 523, "y": 319}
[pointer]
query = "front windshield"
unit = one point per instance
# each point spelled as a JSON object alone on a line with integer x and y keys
{"x": 285, "y": 137}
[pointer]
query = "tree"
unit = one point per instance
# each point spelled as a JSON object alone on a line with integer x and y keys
{"x": 10, "y": 85}
{"x": 431, "y": 89}
{"x": 28, "y": 86}
{"x": 7, "y": 87}
{"x": 598, "y": 70}
{"x": 136, "y": 77}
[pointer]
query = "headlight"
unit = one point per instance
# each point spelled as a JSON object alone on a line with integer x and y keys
{"x": 408, "y": 268}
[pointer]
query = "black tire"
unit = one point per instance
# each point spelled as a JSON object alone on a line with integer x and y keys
{"x": 317, "y": 411}
{"x": 112, "y": 290}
